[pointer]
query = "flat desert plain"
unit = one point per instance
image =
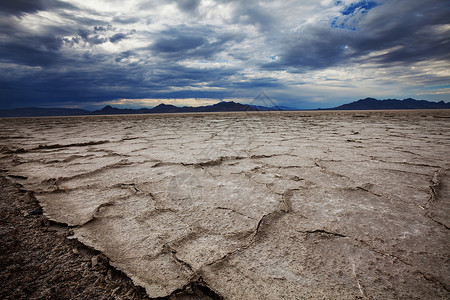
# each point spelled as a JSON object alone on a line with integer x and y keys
{"x": 261, "y": 205}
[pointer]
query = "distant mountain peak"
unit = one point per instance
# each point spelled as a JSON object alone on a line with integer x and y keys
{"x": 165, "y": 105}
{"x": 409, "y": 103}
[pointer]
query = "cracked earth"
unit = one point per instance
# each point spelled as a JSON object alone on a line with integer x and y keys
{"x": 252, "y": 205}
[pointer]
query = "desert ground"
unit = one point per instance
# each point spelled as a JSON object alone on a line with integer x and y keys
{"x": 248, "y": 205}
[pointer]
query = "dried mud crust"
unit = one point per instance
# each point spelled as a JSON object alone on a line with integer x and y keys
{"x": 37, "y": 261}
{"x": 332, "y": 205}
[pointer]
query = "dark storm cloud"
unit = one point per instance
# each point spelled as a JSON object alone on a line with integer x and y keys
{"x": 179, "y": 43}
{"x": 117, "y": 37}
{"x": 251, "y": 13}
{"x": 314, "y": 49}
{"x": 179, "y": 76}
{"x": 97, "y": 35}
{"x": 33, "y": 50}
{"x": 257, "y": 83}
{"x": 104, "y": 28}
{"x": 188, "y": 5}
{"x": 125, "y": 20}
{"x": 100, "y": 35}
{"x": 408, "y": 34}
{"x": 19, "y": 7}
{"x": 414, "y": 30}
{"x": 124, "y": 55}
{"x": 183, "y": 42}
{"x": 24, "y": 46}
{"x": 78, "y": 86}
{"x": 96, "y": 79}
{"x": 91, "y": 38}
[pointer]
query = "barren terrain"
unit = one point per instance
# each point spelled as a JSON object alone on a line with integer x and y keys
{"x": 250, "y": 205}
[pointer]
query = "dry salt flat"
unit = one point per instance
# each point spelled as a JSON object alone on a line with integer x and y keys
{"x": 264, "y": 205}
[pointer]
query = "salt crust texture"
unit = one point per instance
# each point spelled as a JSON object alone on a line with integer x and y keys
{"x": 255, "y": 205}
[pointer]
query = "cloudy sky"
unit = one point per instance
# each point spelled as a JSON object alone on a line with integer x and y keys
{"x": 301, "y": 53}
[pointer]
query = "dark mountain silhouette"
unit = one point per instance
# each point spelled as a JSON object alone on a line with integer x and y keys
{"x": 166, "y": 108}
{"x": 109, "y": 110}
{"x": 228, "y": 106}
{"x": 362, "y": 104}
{"x": 374, "y": 104}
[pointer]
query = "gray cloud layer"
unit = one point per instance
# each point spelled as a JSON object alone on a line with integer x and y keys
{"x": 59, "y": 53}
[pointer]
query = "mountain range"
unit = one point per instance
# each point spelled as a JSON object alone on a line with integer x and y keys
{"x": 109, "y": 110}
{"x": 362, "y": 104}
{"x": 374, "y": 104}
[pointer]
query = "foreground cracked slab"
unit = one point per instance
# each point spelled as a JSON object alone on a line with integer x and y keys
{"x": 254, "y": 205}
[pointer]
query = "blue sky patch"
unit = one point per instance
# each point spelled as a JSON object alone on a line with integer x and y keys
{"x": 364, "y": 6}
{"x": 350, "y": 11}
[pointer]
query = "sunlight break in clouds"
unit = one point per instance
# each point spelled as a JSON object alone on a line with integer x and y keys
{"x": 156, "y": 102}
